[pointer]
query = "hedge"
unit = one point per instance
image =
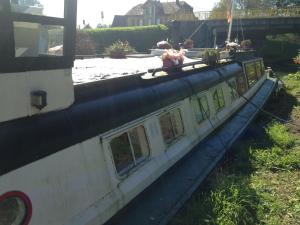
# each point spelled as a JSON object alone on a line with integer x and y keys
{"x": 141, "y": 38}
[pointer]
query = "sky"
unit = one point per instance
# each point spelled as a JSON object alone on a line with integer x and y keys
{"x": 90, "y": 10}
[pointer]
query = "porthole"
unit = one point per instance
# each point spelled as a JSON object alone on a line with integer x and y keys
{"x": 15, "y": 209}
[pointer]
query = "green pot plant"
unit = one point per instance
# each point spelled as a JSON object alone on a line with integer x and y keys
{"x": 211, "y": 57}
{"x": 246, "y": 44}
{"x": 119, "y": 50}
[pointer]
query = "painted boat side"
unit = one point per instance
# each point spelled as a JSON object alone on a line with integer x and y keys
{"x": 159, "y": 202}
{"x": 79, "y": 184}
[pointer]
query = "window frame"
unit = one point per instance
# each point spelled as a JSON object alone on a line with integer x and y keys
{"x": 175, "y": 137}
{"x": 136, "y": 163}
{"x": 251, "y": 63}
{"x": 234, "y": 93}
{"x": 197, "y": 100}
{"x": 220, "y": 107}
{"x": 11, "y": 64}
{"x": 242, "y": 84}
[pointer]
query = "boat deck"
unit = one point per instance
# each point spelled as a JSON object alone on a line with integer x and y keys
{"x": 159, "y": 202}
{"x": 98, "y": 69}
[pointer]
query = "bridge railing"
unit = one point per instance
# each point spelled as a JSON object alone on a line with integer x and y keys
{"x": 250, "y": 13}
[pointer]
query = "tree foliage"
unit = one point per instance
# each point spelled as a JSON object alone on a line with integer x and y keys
{"x": 252, "y": 4}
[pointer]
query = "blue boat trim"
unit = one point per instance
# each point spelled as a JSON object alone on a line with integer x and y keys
{"x": 161, "y": 200}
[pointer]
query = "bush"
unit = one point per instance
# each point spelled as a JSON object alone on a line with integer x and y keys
{"x": 141, "y": 38}
{"x": 297, "y": 58}
{"x": 84, "y": 44}
{"x": 211, "y": 57}
{"x": 246, "y": 44}
{"x": 119, "y": 50}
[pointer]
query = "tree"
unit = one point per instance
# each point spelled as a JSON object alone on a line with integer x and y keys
{"x": 252, "y": 4}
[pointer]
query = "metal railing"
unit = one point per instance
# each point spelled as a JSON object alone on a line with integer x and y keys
{"x": 247, "y": 13}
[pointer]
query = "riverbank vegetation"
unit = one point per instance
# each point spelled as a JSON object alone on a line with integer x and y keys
{"x": 259, "y": 182}
{"x": 279, "y": 48}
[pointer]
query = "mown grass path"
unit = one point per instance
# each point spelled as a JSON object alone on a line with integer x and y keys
{"x": 259, "y": 182}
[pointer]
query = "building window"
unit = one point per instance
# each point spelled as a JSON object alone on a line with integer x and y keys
{"x": 233, "y": 90}
{"x": 130, "y": 149}
{"x": 171, "y": 126}
{"x": 201, "y": 108}
{"x": 219, "y": 100}
{"x": 141, "y": 22}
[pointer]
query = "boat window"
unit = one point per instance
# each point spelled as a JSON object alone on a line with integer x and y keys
{"x": 34, "y": 39}
{"x": 233, "y": 90}
{"x": 53, "y": 8}
{"x": 39, "y": 35}
{"x": 171, "y": 126}
{"x": 251, "y": 73}
{"x": 129, "y": 149}
{"x": 241, "y": 84}
{"x": 201, "y": 108}
{"x": 219, "y": 100}
{"x": 259, "y": 70}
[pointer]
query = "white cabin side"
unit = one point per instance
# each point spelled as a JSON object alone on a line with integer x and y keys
{"x": 81, "y": 185}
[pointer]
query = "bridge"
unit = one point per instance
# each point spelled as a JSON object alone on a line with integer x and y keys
{"x": 254, "y": 24}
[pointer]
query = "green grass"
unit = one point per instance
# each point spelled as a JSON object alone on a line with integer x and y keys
{"x": 292, "y": 82}
{"x": 259, "y": 183}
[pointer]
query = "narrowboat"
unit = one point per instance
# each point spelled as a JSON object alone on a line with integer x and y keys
{"x": 122, "y": 150}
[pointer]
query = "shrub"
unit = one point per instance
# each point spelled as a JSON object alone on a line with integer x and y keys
{"x": 141, "y": 38}
{"x": 246, "y": 44}
{"x": 211, "y": 57}
{"x": 84, "y": 44}
{"x": 297, "y": 58}
{"x": 119, "y": 50}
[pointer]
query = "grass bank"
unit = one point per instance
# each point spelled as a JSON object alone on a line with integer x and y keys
{"x": 259, "y": 183}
